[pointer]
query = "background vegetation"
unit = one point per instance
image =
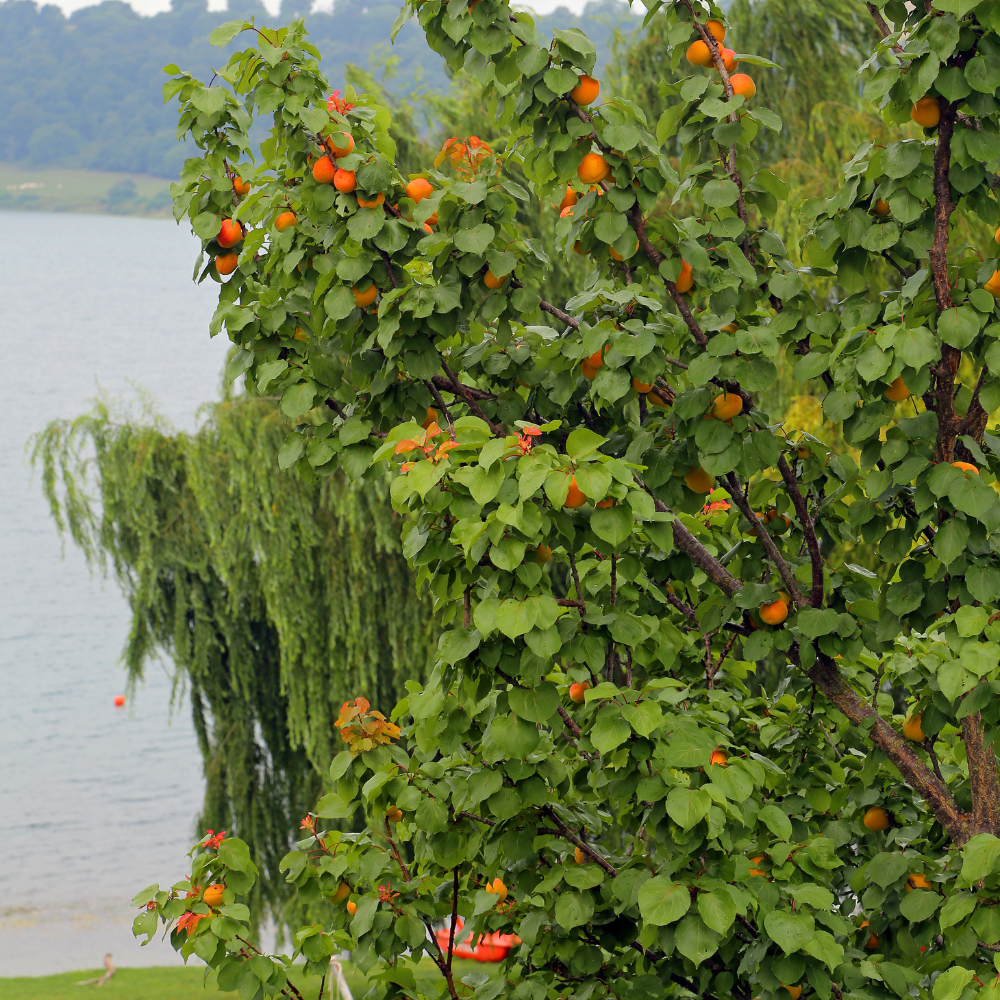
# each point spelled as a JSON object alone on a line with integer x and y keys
{"x": 85, "y": 91}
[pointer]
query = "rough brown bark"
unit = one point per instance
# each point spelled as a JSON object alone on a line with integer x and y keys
{"x": 808, "y": 529}
{"x": 984, "y": 782}
{"x": 959, "y": 825}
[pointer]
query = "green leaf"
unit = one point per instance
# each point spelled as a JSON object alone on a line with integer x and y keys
{"x": 956, "y": 908}
{"x": 476, "y": 239}
{"x": 610, "y": 732}
{"x": 958, "y": 326}
{"x": 790, "y": 931}
{"x": 952, "y": 982}
{"x": 514, "y": 617}
{"x": 776, "y": 821}
{"x": 949, "y": 542}
{"x": 573, "y": 909}
{"x": 884, "y": 868}
{"x": 919, "y": 905}
{"x": 979, "y": 857}
{"x": 613, "y": 524}
{"x": 720, "y": 193}
{"x": 970, "y": 621}
{"x": 609, "y": 226}
{"x": 815, "y": 622}
{"x": 582, "y": 442}
{"x": 718, "y": 909}
{"x": 513, "y": 736}
{"x": 688, "y": 806}
{"x": 233, "y": 853}
{"x": 456, "y": 644}
{"x": 537, "y": 704}
{"x": 694, "y": 940}
{"x": 812, "y": 895}
{"x": 662, "y": 902}
{"x": 226, "y": 32}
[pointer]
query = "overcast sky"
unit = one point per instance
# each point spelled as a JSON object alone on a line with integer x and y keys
{"x": 155, "y": 6}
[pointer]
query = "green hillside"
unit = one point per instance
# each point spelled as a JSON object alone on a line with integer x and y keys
{"x": 83, "y": 92}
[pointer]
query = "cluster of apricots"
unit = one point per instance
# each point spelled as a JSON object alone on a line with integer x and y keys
{"x": 700, "y": 54}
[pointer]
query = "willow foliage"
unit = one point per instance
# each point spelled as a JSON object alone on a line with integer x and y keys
{"x": 276, "y": 599}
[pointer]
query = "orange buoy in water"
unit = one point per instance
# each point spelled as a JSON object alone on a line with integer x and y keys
{"x": 119, "y": 700}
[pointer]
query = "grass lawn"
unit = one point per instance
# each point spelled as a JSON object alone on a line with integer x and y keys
{"x": 48, "y": 189}
{"x": 169, "y": 983}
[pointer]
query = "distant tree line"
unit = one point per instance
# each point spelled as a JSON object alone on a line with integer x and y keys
{"x": 84, "y": 91}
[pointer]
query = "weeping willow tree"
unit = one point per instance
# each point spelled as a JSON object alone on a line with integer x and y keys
{"x": 275, "y": 599}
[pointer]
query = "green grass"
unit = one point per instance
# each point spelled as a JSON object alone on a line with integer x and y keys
{"x": 46, "y": 189}
{"x": 171, "y": 983}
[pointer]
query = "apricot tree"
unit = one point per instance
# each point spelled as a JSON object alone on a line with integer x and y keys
{"x": 616, "y": 528}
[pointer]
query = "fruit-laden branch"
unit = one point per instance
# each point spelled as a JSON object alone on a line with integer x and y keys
{"x": 808, "y": 529}
{"x": 440, "y": 402}
{"x": 984, "y": 783}
{"x": 697, "y": 552}
{"x": 785, "y": 571}
{"x": 656, "y": 258}
{"x": 582, "y": 844}
{"x": 728, "y": 158}
{"x": 959, "y": 825}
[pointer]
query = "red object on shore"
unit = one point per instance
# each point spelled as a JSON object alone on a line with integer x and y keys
{"x": 119, "y": 700}
{"x": 491, "y": 947}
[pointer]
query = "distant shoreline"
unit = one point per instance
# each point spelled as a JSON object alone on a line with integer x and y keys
{"x": 26, "y": 188}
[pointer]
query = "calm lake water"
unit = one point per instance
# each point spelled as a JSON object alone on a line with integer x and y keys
{"x": 95, "y": 802}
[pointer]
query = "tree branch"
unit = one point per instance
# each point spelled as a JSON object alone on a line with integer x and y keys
{"x": 460, "y": 390}
{"x": 440, "y": 402}
{"x": 808, "y": 529}
{"x": 883, "y": 28}
{"x": 984, "y": 783}
{"x": 582, "y": 844}
{"x": 784, "y": 570}
{"x": 958, "y": 825}
{"x": 454, "y": 917}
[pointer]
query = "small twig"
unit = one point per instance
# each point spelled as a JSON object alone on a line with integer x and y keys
{"x": 454, "y": 916}
{"x": 444, "y": 409}
{"x": 473, "y": 816}
{"x": 467, "y": 610}
{"x": 576, "y": 581}
{"x": 718, "y": 663}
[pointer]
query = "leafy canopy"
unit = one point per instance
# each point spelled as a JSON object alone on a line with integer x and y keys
{"x": 587, "y": 766}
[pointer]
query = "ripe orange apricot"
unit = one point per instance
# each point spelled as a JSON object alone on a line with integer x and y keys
{"x": 897, "y": 390}
{"x": 794, "y": 991}
{"x": 433, "y": 220}
{"x": 917, "y": 881}
{"x": 299, "y": 334}
{"x": 729, "y": 59}
{"x": 213, "y": 895}
{"x": 490, "y": 280}
{"x": 419, "y": 188}
{"x": 926, "y": 112}
{"x": 698, "y": 481}
{"x": 230, "y": 233}
{"x": 726, "y": 406}
{"x": 324, "y": 171}
{"x": 394, "y": 814}
{"x": 802, "y": 452}
{"x": 993, "y": 285}
{"x": 719, "y": 757}
{"x": 656, "y": 399}
{"x": 589, "y": 371}
{"x": 579, "y": 856}
{"x": 607, "y": 502}
{"x": 240, "y": 186}
{"x": 344, "y": 181}
{"x": 872, "y": 943}
{"x": 912, "y": 730}
{"x": 570, "y": 198}
{"x": 367, "y": 297}
{"x": 966, "y": 467}
{"x": 371, "y": 204}
{"x": 586, "y": 91}
{"x": 574, "y": 496}
{"x": 578, "y": 691}
{"x": 640, "y": 387}
{"x": 343, "y": 891}
{"x": 756, "y": 861}
{"x": 881, "y": 208}
{"x": 593, "y": 168}
{"x": 543, "y": 553}
{"x": 699, "y": 54}
{"x": 226, "y": 263}
{"x": 497, "y": 888}
{"x": 996, "y": 236}
{"x": 717, "y": 29}
{"x": 742, "y": 84}
{"x": 773, "y": 612}
{"x": 876, "y": 819}
{"x": 352, "y": 907}
{"x": 285, "y": 221}
{"x": 340, "y": 143}
{"x": 431, "y": 418}
{"x": 615, "y": 255}
{"x": 428, "y": 228}
{"x": 684, "y": 279}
